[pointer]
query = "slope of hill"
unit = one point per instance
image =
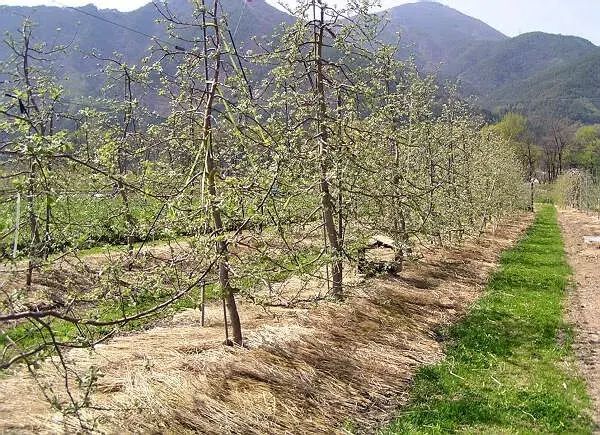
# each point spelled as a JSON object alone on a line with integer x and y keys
{"x": 435, "y": 33}
{"x": 501, "y": 71}
{"x": 485, "y": 67}
{"x": 538, "y": 73}
{"x": 93, "y": 30}
{"x": 570, "y": 91}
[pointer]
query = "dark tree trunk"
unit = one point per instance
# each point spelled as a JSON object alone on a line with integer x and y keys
{"x": 327, "y": 201}
{"x": 211, "y": 170}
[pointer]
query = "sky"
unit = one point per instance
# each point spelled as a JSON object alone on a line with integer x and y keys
{"x": 122, "y": 5}
{"x": 512, "y": 17}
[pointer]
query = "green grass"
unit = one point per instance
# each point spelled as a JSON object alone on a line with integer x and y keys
{"x": 509, "y": 367}
{"x": 94, "y": 223}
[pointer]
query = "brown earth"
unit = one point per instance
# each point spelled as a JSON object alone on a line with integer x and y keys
{"x": 309, "y": 369}
{"x": 584, "y": 301}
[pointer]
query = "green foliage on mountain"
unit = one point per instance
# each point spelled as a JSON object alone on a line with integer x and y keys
{"x": 542, "y": 75}
{"x": 585, "y": 149}
{"x": 538, "y": 74}
{"x": 90, "y": 30}
{"x": 570, "y": 91}
{"x": 435, "y": 34}
{"x": 486, "y": 67}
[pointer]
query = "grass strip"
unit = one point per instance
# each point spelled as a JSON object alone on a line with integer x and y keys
{"x": 510, "y": 366}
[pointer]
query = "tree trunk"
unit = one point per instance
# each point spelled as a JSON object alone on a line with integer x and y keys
{"x": 47, "y": 236}
{"x": 211, "y": 170}
{"x": 327, "y": 201}
{"x": 531, "y": 195}
{"x": 531, "y": 164}
{"x": 33, "y": 225}
{"x": 223, "y": 253}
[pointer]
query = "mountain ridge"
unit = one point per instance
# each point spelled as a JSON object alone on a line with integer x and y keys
{"x": 436, "y": 32}
{"x": 497, "y": 69}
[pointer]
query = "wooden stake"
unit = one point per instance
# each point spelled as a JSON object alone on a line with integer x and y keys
{"x": 225, "y": 321}
{"x": 17, "y": 223}
{"x": 202, "y": 300}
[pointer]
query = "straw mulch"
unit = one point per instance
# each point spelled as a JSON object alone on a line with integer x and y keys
{"x": 306, "y": 370}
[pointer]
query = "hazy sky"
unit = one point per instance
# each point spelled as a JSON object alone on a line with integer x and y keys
{"x": 512, "y": 17}
{"x": 122, "y": 5}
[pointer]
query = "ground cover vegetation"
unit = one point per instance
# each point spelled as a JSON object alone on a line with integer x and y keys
{"x": 510, "y": 366}
{"x": 244, "y": 183}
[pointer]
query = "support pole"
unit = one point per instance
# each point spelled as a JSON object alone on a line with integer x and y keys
{"x": 17, "y": 224}
{"x": 225, "y": 322}
{"x": 203, "y": 300}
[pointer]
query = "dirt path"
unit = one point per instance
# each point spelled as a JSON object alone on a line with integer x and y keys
{"x": 584, "y": 303}
{"x": 312, "y": 369}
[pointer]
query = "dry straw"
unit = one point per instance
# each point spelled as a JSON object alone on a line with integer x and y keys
{"x": 306, "y": 370}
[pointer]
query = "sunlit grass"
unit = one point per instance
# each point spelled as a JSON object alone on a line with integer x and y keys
{"x": 509, "y": 367}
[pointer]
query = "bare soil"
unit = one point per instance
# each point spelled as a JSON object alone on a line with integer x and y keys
{"x": 584, "y": 301}
{"x": 306, "y": 369}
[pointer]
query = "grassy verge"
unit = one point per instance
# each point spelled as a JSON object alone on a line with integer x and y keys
{"x": 509, "y": 367}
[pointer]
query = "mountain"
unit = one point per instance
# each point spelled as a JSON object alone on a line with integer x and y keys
{"x": 486, "y": 67}
{"x": 537, "y": 73}
{"x": 434, "y": 33}
{"x": 108, "y": 31}
{"x": 568, "y": 91}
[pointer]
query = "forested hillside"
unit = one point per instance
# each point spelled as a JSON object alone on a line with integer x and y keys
{"x": 502, "y": 72}
{"x": 487, "y": 68}
{"x": 435, "y": 34}
{"x": 566, "y": 90}
{"x": 90, "y": 34}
